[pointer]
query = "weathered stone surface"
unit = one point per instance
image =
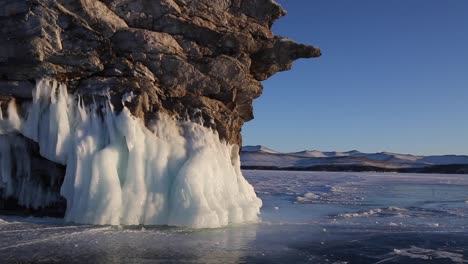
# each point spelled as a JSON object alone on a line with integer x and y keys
{"x": 194, "y": 59}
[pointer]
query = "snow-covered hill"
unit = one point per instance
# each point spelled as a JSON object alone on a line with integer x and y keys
{"x": 263, "y": 157}
{"x": 258, "y": 148}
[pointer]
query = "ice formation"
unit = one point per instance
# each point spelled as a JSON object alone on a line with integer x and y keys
{"x": 16, "y": 178}
{"x": 121, "y": 172}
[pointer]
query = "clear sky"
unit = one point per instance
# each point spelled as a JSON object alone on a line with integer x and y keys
{"x": 393, "y": 77}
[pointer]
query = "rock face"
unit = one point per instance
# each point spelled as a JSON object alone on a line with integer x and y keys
{"x": 201, "y": 60}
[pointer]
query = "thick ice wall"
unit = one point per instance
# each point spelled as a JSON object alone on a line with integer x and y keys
{"x": 121, "y": 172}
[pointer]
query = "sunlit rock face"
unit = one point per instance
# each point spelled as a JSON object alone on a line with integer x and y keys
{"x": 189, "y": 58}
{"x": 145, "y": 101}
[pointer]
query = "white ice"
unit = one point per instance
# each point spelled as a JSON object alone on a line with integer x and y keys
{"x": 120, "y": 172}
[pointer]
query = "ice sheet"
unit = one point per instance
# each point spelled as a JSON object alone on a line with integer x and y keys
{"x": 398, "y": 219}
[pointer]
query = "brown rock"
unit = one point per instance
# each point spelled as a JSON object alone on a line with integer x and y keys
{"x": 193, "y": 59}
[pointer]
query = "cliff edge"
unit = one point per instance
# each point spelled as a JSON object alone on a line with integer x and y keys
{"x": 199, "y": 60}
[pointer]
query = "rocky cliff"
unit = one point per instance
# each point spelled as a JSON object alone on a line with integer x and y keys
{"x": 199, "y": 60}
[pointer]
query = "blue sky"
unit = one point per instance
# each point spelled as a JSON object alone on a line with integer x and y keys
{"x": 393, "y": 77}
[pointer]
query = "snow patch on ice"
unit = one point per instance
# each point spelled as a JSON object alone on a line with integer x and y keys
{"x": 378, "y": 211}
{"x": 308, "y": 197}
{"x": 429, "y": 254}
{"x": 361, "y": 214}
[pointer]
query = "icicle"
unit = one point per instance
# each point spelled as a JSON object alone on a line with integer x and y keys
{"x": 13, "y": 117}
{"x": 16, "y": 180}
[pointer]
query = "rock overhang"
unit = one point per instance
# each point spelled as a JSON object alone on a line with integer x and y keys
{"x": 198, "y": 60}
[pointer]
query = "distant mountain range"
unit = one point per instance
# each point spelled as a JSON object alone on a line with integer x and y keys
{"x": 260, "y": 157}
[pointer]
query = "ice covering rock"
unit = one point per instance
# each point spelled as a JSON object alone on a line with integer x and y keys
{"x": 26, "y": 179}
{"x": 120, "y": 171}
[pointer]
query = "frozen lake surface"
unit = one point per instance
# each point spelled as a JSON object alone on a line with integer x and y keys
{"x": 307, "y": 217}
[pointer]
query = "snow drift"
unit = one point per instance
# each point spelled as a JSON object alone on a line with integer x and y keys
{"x": 120, "y": 171}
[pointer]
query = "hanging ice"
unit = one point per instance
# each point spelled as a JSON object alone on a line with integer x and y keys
{"x": 121, "y": 172}
{"x": 16, "y": 177}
